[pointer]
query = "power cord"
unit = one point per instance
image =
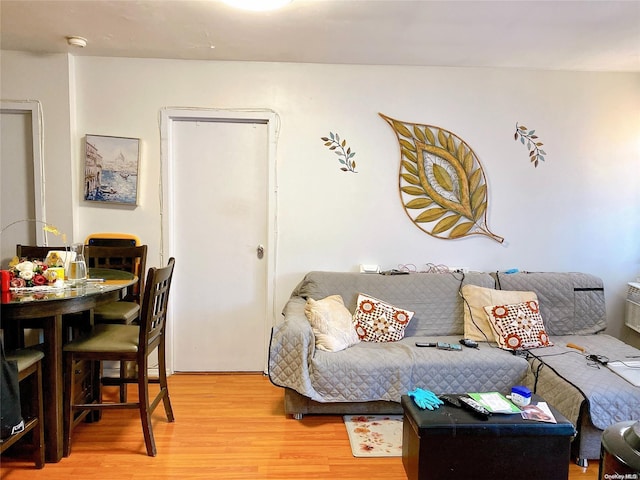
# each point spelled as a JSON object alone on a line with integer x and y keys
{"x": 466, "y": 303}
{"x": 429, "y": 268}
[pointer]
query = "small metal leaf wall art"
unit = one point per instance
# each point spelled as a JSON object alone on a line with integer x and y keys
{"x": 442, "y": 184}
{"x": 529, "y": 138}
{"x": 345, "y": 154}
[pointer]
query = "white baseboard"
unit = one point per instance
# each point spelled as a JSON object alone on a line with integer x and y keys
{"x": 114, "y": 371}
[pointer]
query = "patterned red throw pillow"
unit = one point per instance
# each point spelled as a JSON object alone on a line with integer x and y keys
{"x": 377, "y": 321}
{"x": 518, "y": 326}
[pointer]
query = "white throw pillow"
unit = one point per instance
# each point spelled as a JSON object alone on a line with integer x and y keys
{"x": 332, "y": 323}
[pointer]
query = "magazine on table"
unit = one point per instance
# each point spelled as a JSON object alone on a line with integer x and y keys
{"x": 539, "y": 412}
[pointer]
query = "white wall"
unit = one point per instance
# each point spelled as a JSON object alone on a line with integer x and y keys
{"x": 578, "y": 211}
{"x": 46, "y": 78}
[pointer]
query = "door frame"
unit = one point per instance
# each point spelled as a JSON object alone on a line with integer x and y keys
{"x": 34, "y": 108}
{"x": 167, "y": 195}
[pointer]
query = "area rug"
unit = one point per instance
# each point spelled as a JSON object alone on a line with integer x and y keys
{"x": 375, "y": 435}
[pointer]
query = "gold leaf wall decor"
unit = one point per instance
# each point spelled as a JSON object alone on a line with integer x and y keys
{"x": 442, "y": 185}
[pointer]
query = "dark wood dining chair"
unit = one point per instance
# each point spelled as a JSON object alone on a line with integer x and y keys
{"x": 34, "y": 252}
{"x": 29, "y": 363}
{"x": 133, "y": 343}
{"x": 128, "y": 258}
{"x": 132, "y": 259}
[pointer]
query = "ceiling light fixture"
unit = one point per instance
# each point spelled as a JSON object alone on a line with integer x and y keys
{"x": 257, "y": 5}
{"x": 80, "y": 42}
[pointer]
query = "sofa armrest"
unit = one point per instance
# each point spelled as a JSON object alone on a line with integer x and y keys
{"x": 292, "y": 348}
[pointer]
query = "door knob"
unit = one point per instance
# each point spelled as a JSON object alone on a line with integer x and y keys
{"x": 260, "y": 251}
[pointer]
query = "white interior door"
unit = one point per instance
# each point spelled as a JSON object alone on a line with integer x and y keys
{"x": 21, "y": 177}
{"x": 219, "y": 173}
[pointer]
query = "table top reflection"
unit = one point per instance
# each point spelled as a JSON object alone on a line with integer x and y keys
{"x": 101, "y": 280}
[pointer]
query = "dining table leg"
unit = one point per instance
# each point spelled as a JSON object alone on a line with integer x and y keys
{"x": 53, "y": 386}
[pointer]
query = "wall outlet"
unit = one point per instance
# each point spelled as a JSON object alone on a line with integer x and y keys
{"x": 369, "y": 268}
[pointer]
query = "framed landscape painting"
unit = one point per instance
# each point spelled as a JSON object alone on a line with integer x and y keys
{"x": 111, "y": 169}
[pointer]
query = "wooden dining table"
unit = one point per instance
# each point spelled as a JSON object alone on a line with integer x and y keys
{"x": 45, "y": 309}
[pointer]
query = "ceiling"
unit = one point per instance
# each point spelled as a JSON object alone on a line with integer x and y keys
{"x": 549, "y": 35}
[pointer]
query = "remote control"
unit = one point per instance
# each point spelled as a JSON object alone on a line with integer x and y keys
{"x": 452, "y": 400}
{"x": 425, "y": 344}
{"x": 474, "y": 407}
{"x": 469, "y": 343}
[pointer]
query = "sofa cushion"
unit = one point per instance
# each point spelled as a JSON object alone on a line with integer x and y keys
{"x": 518, "y": 326}
{"x": 331, "y": 323}
{"x": 385, "y": 371}
{"x": 377, "y": 321}
{"x": 570, "y": 303}
{"x": 609, "y": 398}
{"x": 434, "y": 297}
{"x": 476, "y": 320}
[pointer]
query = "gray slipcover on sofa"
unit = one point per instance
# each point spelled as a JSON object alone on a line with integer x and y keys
{"x": 370, "y": 377}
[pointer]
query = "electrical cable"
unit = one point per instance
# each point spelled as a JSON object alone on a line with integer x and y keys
{"x": 489, "y": 342}
{"x": 433, "y": 268}
{"x": 537, "y": 357}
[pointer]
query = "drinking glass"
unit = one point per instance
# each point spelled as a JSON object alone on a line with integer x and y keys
{"x": 77, "y": 271}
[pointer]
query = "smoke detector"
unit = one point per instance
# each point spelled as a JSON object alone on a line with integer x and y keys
{"x": 74, "y": 41}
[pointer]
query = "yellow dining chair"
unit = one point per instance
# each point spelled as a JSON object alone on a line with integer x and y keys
{"x": 111, "y": 239}
{"x": 133, "y": 343}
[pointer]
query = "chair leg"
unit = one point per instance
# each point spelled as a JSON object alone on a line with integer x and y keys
{"x": 94, "y": 386}
{"x": 164, "y": 387}
{"x": 37, "y": 399}
{"x": 68, "y": 403}
{"x": 145, "y": 412}
{"x": 123, "y": 386}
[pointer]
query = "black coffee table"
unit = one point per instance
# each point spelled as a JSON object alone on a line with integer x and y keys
{"x": 454, "y": 443}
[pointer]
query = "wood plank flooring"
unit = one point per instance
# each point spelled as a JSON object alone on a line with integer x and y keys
{"x": 228, "y": 426}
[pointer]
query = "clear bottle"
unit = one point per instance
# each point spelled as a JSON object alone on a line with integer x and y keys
{"x": 77, "y": 270}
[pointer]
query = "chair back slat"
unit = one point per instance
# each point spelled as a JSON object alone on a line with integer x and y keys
{"x": 129, "y": 259}
{"x": 154, "y": 306}
{"x": 33, "y": 252}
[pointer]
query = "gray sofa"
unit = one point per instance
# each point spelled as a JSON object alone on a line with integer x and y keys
{"x": 370, "y": 377}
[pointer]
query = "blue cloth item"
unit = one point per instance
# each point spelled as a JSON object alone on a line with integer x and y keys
{"x": 425, "y": 399}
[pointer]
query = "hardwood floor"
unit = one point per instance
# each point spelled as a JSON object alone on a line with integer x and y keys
{"x": 227, "y": 426}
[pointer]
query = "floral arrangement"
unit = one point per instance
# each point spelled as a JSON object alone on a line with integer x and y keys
{"x": 28, "y": 273}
